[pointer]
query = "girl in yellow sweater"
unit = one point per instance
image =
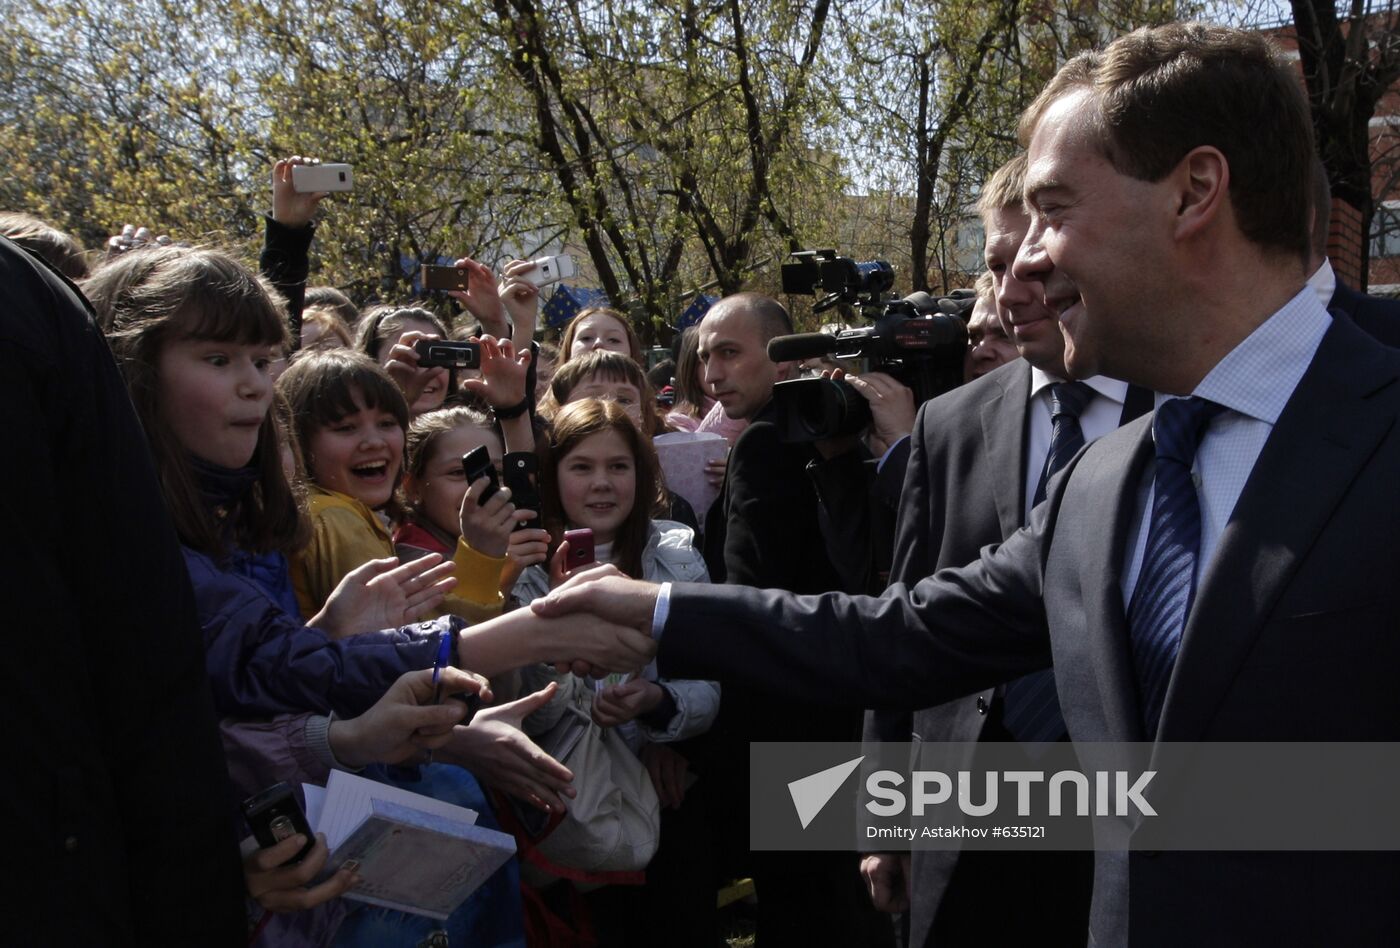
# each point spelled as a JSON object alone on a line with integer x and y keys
{"x": 351, "y": 419}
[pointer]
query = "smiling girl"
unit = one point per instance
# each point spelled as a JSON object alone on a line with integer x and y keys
{"x": 351, "y": 421}
{"x": 598, "y": 471}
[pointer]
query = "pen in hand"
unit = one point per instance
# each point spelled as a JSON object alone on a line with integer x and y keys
{"x": 443, "y": 654}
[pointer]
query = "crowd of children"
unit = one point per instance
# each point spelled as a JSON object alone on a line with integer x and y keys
{"x": 313, "y": 470}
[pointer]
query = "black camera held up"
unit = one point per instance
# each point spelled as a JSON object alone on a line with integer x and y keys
{"x": 920, "y": 341}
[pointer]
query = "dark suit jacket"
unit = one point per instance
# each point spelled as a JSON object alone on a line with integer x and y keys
{"x": 964, "y": 489}
{"x": 1293, "y": 636}
{"x": 116, "y": 805}
{"x": 762, "y": 530}
{"x": 1379, "y": 317}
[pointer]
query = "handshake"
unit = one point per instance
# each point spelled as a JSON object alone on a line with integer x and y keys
{"x": 606, "y": 621}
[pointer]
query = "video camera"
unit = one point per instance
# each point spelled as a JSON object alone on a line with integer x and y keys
{"x": 920, "y": 341}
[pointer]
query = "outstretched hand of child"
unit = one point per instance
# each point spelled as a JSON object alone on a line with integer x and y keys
{"x": 408, "y": 720}
{"x": 381, "y": 594}
{"x": 503, "y": 371}
{"x": 494, "y": 748}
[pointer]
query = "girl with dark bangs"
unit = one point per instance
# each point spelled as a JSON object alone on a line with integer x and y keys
{"x": 162, "y": 298}
{"x": 609, "y": 376}
{"x": 351, "y": 422}
{"x": 598, "y": 471}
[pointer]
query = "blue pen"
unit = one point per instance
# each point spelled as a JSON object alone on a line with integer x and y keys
{"x": 444, "y": 651}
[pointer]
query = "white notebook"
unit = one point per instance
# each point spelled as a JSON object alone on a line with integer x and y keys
{"x": 416, "y": 854}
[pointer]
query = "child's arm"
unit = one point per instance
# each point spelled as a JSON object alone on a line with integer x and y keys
{"x": 381, "y": 594}
{"x": 285, "y": 257}
{"x": 522, "y": 301}
{"x": 502, "y": 385}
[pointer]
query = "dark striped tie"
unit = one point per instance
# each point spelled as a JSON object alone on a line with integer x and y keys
{"x": 1067, "y": 402}
{"x": 1032, "y": 706}
{"x": 1166, "y": 584}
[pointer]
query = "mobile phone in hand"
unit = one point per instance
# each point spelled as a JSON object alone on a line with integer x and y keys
{"x": 522, "y": 491}
{"x": 273, "y": 815}
{"x": 436, "y": 277}
{"x": 476, "y": 464}
{"x": 447, "y": 354}
{"x": 551, "y": 269}
{"x": 581, "y": 551}
{"x": 308, "y": 179}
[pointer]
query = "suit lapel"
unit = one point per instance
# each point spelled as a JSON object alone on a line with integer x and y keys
{"x": 1113, "y": 468}
{"x": 1004, "y": 433}
{"x": 1306, "y": 465}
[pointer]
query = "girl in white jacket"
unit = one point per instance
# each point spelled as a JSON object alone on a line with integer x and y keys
{"x": 597, "y": 471}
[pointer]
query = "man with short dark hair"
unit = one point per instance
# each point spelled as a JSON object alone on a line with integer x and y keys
{"x": 1220, "y": 572}
{"x": 981, "y": 457}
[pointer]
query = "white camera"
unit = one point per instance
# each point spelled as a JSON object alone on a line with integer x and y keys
{"x": 551, "y": 270}
{"x": 307, "y": 179}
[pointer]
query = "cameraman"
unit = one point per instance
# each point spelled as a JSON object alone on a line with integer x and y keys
{"x": 762, "y": 530}
{"x": 858, "y": 483}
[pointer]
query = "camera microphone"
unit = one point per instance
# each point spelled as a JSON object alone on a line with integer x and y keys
{"x": 803, "y": 345}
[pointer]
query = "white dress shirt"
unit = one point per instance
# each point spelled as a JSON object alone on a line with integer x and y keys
{"x": 1101, "y": 415}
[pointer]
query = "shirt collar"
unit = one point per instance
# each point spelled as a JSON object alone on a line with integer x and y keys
{"x": 1115, "y": 390}
{"x": 1324, "y": 283}
{"x": 1259, "y": 375}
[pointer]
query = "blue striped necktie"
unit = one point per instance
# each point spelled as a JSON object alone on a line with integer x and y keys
{"x": 1166, "y": 584}
{"x": 1032, "y": 706}
{"x": 1067, "y": 402}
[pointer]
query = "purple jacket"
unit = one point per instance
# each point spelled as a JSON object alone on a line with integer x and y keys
{"x": 261, "y": 662}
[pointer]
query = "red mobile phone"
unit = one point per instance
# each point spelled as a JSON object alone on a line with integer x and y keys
{"x": 580, "y": 548}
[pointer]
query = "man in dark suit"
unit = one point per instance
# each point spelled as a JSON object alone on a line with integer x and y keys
{"x": 1223, "y": 571}
{"x": 763, "y": 530}
{"x": 977, "y": 461}
{"x": 1379, "y": 317}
